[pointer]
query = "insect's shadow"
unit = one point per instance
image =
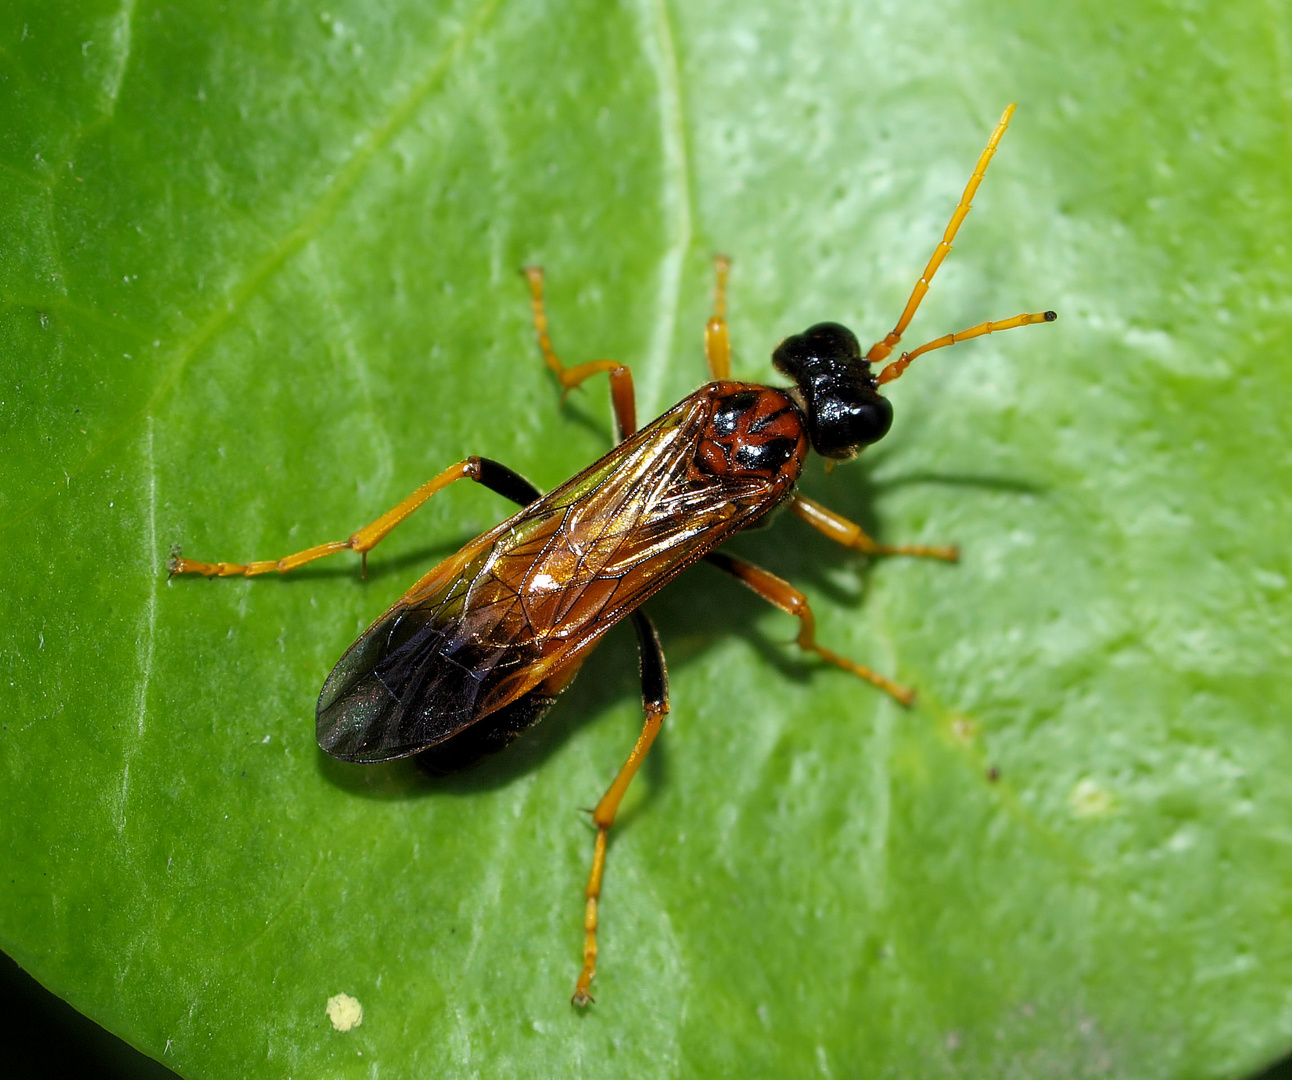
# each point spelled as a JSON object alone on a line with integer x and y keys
{"x": 573, "y": 412}
{"x": 702, "y": 607}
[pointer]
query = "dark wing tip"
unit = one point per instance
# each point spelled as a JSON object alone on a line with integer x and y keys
{"x": 348, "y": 727}
{"x": 357, "y": 713}
{"x": 395, "y": 692}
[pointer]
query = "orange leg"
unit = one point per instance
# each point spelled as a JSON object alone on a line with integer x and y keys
{"x": 781, "y": 593}
{"x": 482, "y": 470}
{"x": 717, "y": 337}
{"x": 655, "y": 704}
{"x": 621, "y": 378}
{"x": 849, "y": 534}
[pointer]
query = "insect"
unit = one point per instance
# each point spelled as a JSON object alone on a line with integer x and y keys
{"x": 478, "y": 649}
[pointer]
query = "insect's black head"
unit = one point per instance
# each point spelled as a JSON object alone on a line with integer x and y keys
{"x": 844, "y": 409}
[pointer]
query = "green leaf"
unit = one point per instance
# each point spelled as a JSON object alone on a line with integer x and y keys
{"x": 258, "y": 280}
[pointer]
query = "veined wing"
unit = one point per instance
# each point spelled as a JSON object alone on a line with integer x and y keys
{"x": 533, "y": 594}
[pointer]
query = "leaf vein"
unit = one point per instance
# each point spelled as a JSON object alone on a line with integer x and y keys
{"x": 121, "y": 39}
{"x": 308, "y": 227}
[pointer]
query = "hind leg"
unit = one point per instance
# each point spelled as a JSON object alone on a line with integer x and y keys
{"x": 655, "y": 704}
{"x": 781, "y": 593}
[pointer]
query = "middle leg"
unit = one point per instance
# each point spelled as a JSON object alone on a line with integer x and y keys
{"x": 842, "y": 531}
{"x": 621, "y": 378}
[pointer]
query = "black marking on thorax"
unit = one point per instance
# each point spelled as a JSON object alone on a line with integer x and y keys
{"x": 754, "y": 432}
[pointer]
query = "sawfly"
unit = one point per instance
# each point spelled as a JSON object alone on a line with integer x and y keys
{"x": 478, "y": 649}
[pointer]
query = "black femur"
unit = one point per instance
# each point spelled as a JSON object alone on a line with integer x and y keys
{"x": 844, "y": 408}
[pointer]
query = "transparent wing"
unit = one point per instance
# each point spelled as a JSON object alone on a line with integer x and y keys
{"x": 533, "y": 594}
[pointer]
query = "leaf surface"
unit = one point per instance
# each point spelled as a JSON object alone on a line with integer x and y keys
{"x": 258, "y": 280}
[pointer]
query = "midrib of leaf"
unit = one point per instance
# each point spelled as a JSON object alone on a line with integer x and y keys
{"x": 675, "y": 195}
{"x": 148, "y": 632}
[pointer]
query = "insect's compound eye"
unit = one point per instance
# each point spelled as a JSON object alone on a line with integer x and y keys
{"x": 821, "y": 351}
{"x": 841, "y": 426}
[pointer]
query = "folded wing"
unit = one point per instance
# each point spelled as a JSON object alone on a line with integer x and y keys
{"x": 533, "y": 594}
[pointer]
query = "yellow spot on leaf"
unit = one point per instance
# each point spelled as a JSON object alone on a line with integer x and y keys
{"x": 1088, "y": 799}
{"x": 344, "y": 1011}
